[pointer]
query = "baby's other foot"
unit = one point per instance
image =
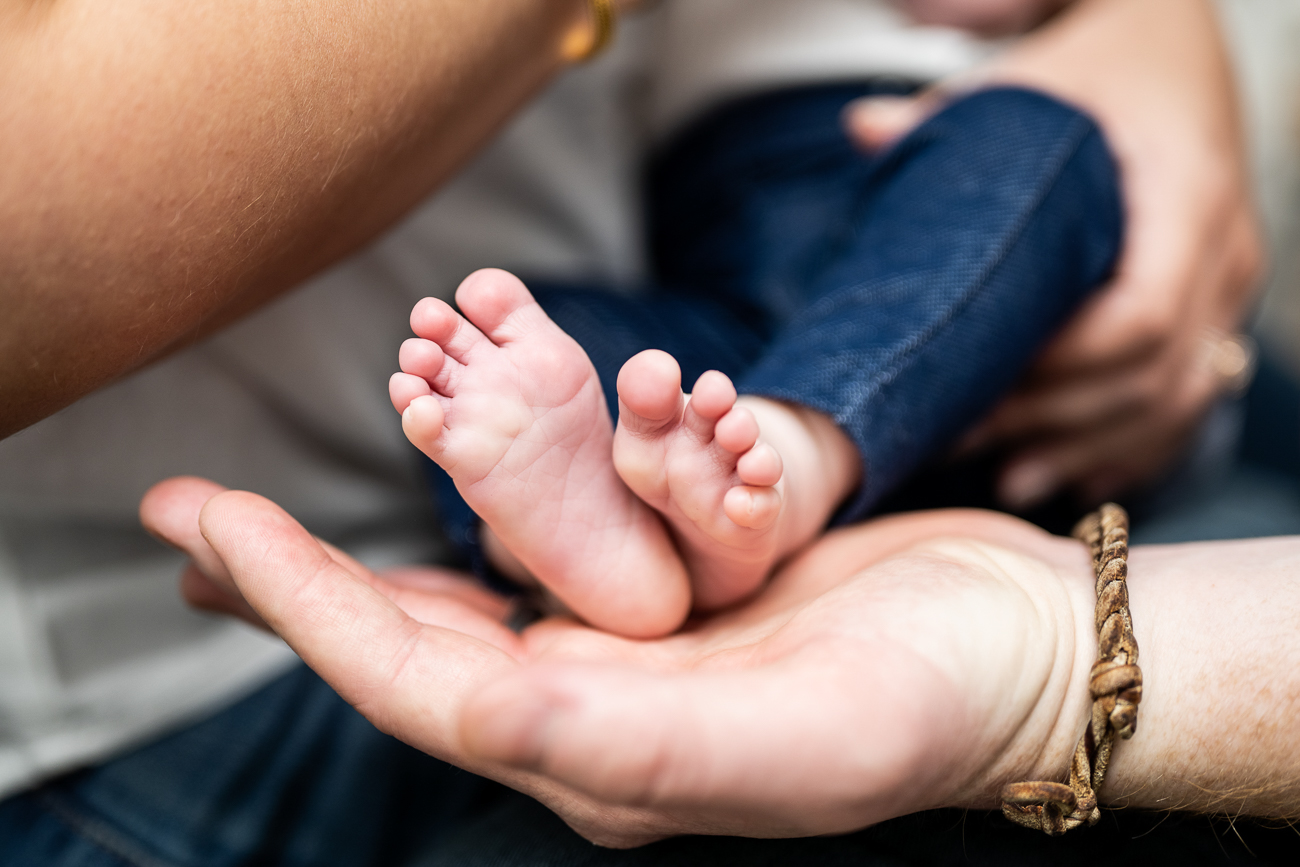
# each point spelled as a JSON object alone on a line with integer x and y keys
{"x": 510, "y": 406}
{"x": 698, "y": 460}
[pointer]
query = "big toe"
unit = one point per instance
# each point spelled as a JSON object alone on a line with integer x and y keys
{"x": 499, "y": 304}
{"x": 650, "y": 388}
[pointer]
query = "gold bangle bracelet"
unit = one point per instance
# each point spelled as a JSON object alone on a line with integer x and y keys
{"x": 589, "y": 39}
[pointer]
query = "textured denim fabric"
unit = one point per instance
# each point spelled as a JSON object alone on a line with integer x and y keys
{"x": 291, "y": 776}
{"x": 900, "y": 293}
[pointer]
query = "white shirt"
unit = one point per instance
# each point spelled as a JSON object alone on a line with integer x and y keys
{"x": 710, "y": 50}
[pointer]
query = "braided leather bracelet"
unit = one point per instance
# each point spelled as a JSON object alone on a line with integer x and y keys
{"x": 1115, "y": 685}
{"x": 586, "y": 42}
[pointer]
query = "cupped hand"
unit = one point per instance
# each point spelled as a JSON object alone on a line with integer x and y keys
{"x": 1115, "y": 396}
{"x": 893, "y": 667}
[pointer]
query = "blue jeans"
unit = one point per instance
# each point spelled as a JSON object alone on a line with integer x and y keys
{"x": 900, "y": 293}
{"x": 289, "y": 776}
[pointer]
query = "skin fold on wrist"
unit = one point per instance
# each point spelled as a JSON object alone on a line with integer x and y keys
{"x": 1217, "y": 626}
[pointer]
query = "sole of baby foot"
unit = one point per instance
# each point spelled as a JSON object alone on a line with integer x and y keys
{"x": 511, "y": 407}
{"x": 699, "y": 461}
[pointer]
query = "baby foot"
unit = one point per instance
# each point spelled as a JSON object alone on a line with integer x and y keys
{"x": 510, "y": 406}
{"x": 698, "y": 460}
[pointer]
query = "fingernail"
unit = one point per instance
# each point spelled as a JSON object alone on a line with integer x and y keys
{"x": 1027, "y": 484}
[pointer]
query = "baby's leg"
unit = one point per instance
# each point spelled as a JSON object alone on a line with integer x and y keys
{"x": 725, "y": 491}
{"x": 898, "y": 296}
{"x": 908, "y": 290}
{"x": 510, "y": 406}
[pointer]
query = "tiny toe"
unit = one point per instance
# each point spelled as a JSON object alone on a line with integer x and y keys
{"x": 499, "y": 304}
{"x": 420, "y": 357}
{"x": 713, "y": 395}
{"x": 404, "y": 388}
{"x": 650, "y": 387}
{"x": 737, "y": 431}
{"x": 760, "y": 466}
{"x": 434, "y": 319}
{"x": 755, "y": 508}
{"x": 422, "y": 423}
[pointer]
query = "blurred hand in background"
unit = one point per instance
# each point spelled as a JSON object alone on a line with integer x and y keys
{"x": 1115, "y": 397}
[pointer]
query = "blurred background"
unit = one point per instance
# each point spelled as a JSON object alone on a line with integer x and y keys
{"x": 1260, "y": 494}
{"x": 1265, "y": 36}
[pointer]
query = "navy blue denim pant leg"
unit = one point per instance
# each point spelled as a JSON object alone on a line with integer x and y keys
{"x": 901, "y": 293}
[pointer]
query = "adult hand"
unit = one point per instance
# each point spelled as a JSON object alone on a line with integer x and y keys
{"x": 882, "y": 672}
{"x": 917, "y": 661}
{"x": 1116, "y": 394}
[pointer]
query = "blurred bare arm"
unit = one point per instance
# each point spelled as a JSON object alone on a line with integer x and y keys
{"x": 170, "y": 166}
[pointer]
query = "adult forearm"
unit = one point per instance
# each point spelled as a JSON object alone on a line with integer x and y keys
{"x": 169, "y": 166}
{"x": 1220, "y": 643}
{"x": 1218, "y": 628}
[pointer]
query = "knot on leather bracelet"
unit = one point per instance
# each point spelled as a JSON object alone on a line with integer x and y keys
{"x": 1115, "y": 685}
{"x": 1051, "y": 807}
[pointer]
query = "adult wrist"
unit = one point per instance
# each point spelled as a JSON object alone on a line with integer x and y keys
{"x": 1115, "y": 686}
{"x": 1072, "y": 710}
{"x": 1043, "y": 744}
{"x": 1221, "y": 655}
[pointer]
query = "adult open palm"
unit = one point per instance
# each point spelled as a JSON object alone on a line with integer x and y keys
{"x": 891, "y": 668}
